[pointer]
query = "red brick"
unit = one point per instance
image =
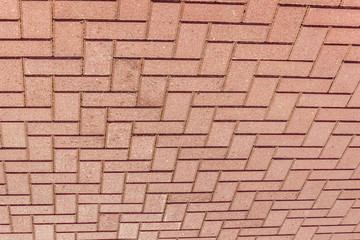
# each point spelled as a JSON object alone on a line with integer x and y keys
{"x": 222, "y": 32}
{"x": 335, "y": 146}
{"x": 36, "y": 19}
{"x": 21, "y": 223}
{"x": 191, "y": 39}
{"x": 278, "y": 169}
{"x": 260, "y": 127}
{"x": 155, "y": 203}
{"x": 170, "y": 67}
{"x": 329, "y": 61}
{"x": 223, "y": 99}
{"x": 44, "y": 232}
{"x": 284, "y": 68}
{"x": 259, "y": 186}
{"x": 220, "y": 134}
{"x": 240, "y": 75}
{"x": 50, "y": 128}
{"x": 115, "y": 30}
{"x": 224, "y": 191}
{"x": 10, "y": 29}
{"x": 295, "y": 180}
{"x": 336, "y": 35}
{"x": 193, "y": 153}
{"x": 108, "y": 99}
{"x": 38, "y": 91}
{"x": 349, "y": 159}
{"x": 346, "y": 80}
{"x": 42, "y": 194}
{"x": 40, "y": 148}
{"x": 241, "y": 146}
{"x": 247, "y": 175}
{"x": 261, "y": 91}
{"x": 11, "y": 75}
{"x": 176, "y": 106}
{"x": 212, "y": 12}
{"x": 84, "y": 10}
{"x": 333, "y": 17}
{"x": 79, "y": 142}
{"x": 262, "y": 51}
{"x": 65, "y": 160}
{"x": 25, "y": 48}
{"x": 9, "y": 9}
{"x": 323, "y": 100}
{"x": 13, "y": 134}
{"x": 134, "y": 10}
{"x": 87, "y": 213}
{"x": 281, "y": 106}
{"x": 142, "y": 147}
{"x": 81, "y": 83}
{"x": 260, "y": 158}
{"x": 259, "y": 209}
{"x": 126, "y": 75}
{"x": 52, "y": 66}
{"x": 118, "y": 134}
{"x": 199, "y": 120}
{"x": 68, "y": 38}
{"x": 152, "y": 91}
{"x": 112, "y": 182}
{"x": 195, "y": 84}
{"x": 240, "y": 113}
{"x": 312, "y": 2}
{"x": 304, "y": 85}
{"x": 353, "y": 54}
{"x": 164, "y": 159}
{"x": 301, "y": 120}
{"x": 286, "y": 24}
{"x": 293, "y": 152}
{"x": 89, "y": 172}
{"x": 216, "y": 59}
{"x": 260, "y": 11}
{"x": 185, "y": 171}
{"x": 205, "y": 182}
{"x": 333, "y": 114}
{"x": 129, "y": 114}
{"x": 67, "y": 106}
{"x": 143, "y": 49}
{"x": 11, "y": 99}
{"x": 17, "y": 183}
{"x": 319, "y": 134}
{"x": 97, "y": 59}
{"x": 93, "y": 121}
{"x": 128, "y": 230}
{"x": 193, "y": 220}
{"x": 290, "y": 226}
{"x": 181, "y": 141}
{"x": 134, "y": 193}
{"x": 311, "y": 190}
{"x": 308, "y": 43}
{"x": 163, "y": 20}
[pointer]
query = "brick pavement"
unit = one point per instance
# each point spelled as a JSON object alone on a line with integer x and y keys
{"x": 192, "y": 119}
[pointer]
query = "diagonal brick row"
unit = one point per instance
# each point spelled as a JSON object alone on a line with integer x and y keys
{"x": 227, "y": 119}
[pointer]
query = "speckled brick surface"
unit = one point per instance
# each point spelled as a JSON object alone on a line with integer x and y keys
{"x": 179, "y": 120}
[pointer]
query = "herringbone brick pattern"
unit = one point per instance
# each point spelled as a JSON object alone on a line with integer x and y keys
{"x": 191, "y": 119}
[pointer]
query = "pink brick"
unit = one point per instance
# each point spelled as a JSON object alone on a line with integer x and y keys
{"x": 142, "y": 147}
{"x": 216, "y": 59}
{"x": 84, "y": 10}
{"x": 284, "y": 68}
{"x": 67, "y": 106}
{"x": 212, "y": 12}
{"x": 9, "y": 9}
{"x": 329, "y": 61}
{"x": 11, "y": 75}
{"x": 163, "y": 20}
{"x": 115, "y": 30}
{"x": 13, "y": 134}
{"x": 38, "y": 91}
{"x": 221, "y": 32}
{"x": 262, "y": 51}
{"x": 191, "y": 40}
{"x": 261, "y": 91}
{"x": 170, "y": 67}
{"x": 286, "y": 24}
{"x": 281, "y": 106}
{"x": 152, "y": 91}
{"x": 260, "y": 11}
{"x": 126, "y": 75}
{"x": 199, "y": 120}
{"x": 346, "y": 79}
{"x": 10, "y": 29}
{"x": 220, "y": 134}
{"x": 36, "y": 19}
{"x": 52, "y": 66}
{"x": 118, "y": 135}
{"x": 25, "y": 48}
{"x": 98, "y": 57}
{"x": 176, "y": 106}
{"x": 143, "y": 49}
{"x": 93, "y": 121}
{"x": 134, "y": 10}
{"x": 68, "y": 38}
{"x": 334, "y": 17}
{"x": 308, "y": 43}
